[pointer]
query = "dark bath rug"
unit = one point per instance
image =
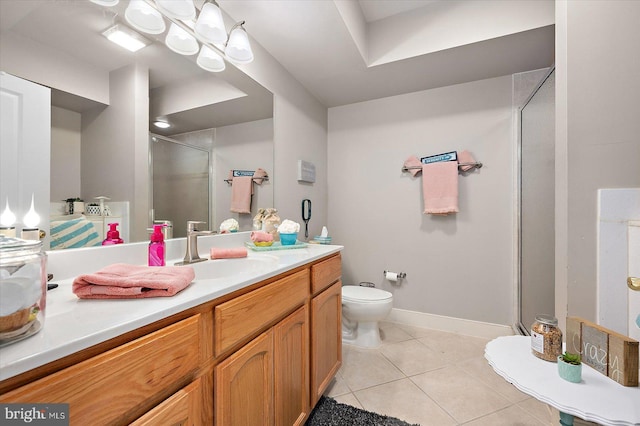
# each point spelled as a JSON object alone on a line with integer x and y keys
{"x": 328, "y": 412}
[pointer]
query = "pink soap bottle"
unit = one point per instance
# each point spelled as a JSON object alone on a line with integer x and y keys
{"x": 113, "y": 236}
{"x": 156, "y": 247}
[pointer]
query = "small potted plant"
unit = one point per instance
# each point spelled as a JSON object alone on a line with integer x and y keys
{"x": 570, "y": 367}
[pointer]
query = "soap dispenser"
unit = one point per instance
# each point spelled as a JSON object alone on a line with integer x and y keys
{"x": 113, "y": 236}
{"x": 156, "y": 247}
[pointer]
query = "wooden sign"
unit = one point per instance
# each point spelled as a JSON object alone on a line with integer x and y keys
{"x": 608, "y": 352}
{"x": 574, "y": 335}
{"x": 623, "y": 360}
{"x": 595, "y": 347}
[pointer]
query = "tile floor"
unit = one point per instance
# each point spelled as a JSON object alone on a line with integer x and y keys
{"x": 432, "y": 377}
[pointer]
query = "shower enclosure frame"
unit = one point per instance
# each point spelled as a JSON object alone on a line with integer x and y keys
{"x": 210, "y": 210}
{"x": 519, "y": 326}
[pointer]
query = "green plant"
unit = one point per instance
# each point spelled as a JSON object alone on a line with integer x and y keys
{"x": 71, "y": 200}
{"x": 571, "y": 358}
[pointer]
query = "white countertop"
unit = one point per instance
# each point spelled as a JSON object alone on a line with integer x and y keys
{"x": 596, "y": 398}
{"x": 72, "y": 324}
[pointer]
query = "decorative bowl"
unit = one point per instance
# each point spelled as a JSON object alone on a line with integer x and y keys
{"x": 263, "y": 243}
{"x": 288, "y": 239}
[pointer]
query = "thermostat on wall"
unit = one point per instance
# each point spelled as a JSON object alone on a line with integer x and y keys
{"x": 306, "y": 171}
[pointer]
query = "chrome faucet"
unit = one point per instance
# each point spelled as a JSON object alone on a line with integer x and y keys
{"x": 192, "y": 243}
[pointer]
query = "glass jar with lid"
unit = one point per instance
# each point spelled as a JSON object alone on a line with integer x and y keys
{"x": 23, "y": 288}
{"x": 546, "y": 338}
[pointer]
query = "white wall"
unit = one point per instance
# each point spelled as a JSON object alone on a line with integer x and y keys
{"x": 597, "y": 130}
{"x": 115, "y": 149}
{"x": 300, "y": 133}
{"x": 459, "y": 265}
{"x": 245, "y": 146}
{"x": 65, "y": 154}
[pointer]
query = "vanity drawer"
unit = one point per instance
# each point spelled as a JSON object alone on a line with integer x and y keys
{"x": 247, "y": 314}
{"x": 112, "y": 387}
{"x": 325, "y": 273}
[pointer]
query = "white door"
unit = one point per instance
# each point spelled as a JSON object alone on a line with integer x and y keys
{"x": 634, "y": 271}
{"x": 25, "y": 141}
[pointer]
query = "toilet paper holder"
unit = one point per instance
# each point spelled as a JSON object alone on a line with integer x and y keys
{"x": 401, "y": 275}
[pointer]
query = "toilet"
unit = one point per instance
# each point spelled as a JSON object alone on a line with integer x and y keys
{"x": 362, "y": 308}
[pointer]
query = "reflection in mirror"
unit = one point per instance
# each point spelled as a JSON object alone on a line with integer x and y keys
{"x": 104, "y": 99}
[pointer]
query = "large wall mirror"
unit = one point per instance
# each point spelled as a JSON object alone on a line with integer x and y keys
{"x": 104, "y": 101}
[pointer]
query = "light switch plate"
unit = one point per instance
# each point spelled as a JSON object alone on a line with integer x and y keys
{"x": 306, "y": 171}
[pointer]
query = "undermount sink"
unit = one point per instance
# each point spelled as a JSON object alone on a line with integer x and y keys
{"x": 222, "y": 268}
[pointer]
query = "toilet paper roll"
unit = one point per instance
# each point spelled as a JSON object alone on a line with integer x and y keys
{"x": 391, "y": 276}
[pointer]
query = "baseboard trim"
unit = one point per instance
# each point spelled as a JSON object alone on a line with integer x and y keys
{"x": 450, "y": 324}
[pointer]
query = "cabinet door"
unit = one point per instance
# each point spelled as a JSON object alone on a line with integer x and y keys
{"x": 291, "y": 368}
{"x": 326, "y": 339}
{"x": 181, "y": 409}
{"x": 244, "y": 385}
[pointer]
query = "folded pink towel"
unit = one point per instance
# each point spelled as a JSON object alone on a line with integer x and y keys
{"x": 261, "y": 237}
{"x": 465, "y": 157}
{"x": 241, "y": 190}
{"x": 440, "y": 187}
{"x": 122, "y": 281}
{"x": 412, "y": 162}
{"x": 228, "y": 253}
{"x": 259, "y": 176}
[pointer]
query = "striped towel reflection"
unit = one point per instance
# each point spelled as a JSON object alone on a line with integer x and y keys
{"x": 73, "y": 233}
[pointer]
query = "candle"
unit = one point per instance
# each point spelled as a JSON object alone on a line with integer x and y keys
{"x": 7, "y": 222}
{"x": 31, "y": 221}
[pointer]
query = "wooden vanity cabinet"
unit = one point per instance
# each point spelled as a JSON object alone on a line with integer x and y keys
{"x": 266, "y": 381}
{"x": 123, "y": 383}
{"x": 326, "y": 324}
{"x": 262, "y": 356}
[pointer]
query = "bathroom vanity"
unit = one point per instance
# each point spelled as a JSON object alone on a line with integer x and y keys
{"x": 251, "y": 341}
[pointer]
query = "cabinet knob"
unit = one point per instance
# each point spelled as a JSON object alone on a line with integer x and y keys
{"x": 634, "y": 283}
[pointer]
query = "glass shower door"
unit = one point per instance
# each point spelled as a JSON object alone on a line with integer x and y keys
{"x": 181, "y": 183}
{"x": 537, "y": 204}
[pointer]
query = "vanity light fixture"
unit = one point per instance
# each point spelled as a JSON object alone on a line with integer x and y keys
{"x": 238, "y": 49}
{"x": 126, "y": 37}
{"x": 178, "y": 9}
{"x": 183, "y": 34}
{"x": 144, "y": 17}
{"x": 210, "y": 25}
{"x": 181, "y": 41}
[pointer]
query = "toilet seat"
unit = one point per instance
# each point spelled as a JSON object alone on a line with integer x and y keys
{"x": 359, "y": 294}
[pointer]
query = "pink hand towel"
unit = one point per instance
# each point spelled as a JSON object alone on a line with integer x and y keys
{"x": 261, "y": 237}
{"x": 259, "y": 176}
{"x": 465, "y": 157}
{"x": 413, "y": 165}
{"x": 122, "y": 281}
{"x": 440, "y": 187}
{"x": 228, "y": 253}
{"x": 241, "y": 190}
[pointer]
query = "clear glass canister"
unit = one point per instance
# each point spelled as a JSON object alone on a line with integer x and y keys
{"x": 23, "y": 288}
{"x": 546, "y": 338}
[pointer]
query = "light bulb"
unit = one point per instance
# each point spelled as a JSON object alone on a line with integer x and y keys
{"x": 7, "y": 218}
{"x": 181, "y": 41}
{"x": 31, "y": 219}
{"x": 238, "y": 49}
{"x": 210, "y": 60}
{"x": 210, "y": 25}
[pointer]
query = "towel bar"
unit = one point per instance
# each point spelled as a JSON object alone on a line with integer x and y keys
{"x": 238, "y": 173}
{"x": 475, "y": 165}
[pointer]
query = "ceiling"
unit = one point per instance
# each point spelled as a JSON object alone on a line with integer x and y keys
{"x": 341, "y": 51}
{"x": 346, "y": 51}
